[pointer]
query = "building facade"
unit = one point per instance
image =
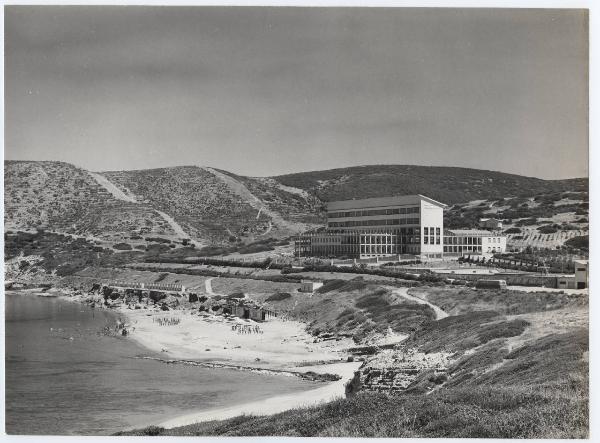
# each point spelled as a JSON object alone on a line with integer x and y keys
{"x": 472, "y": 241}
{"x": 581, "y": 278}
{"x": 378, "y": 227}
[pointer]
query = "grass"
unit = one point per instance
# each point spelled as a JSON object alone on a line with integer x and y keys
{"x": 355, "y": 284}
{"x": 466, "y": 331}
{"x": 483, "y": 412}
{"x": 279, "y": 296}
{"x": 540, "y": 391}
{"x": 464, "y": 300}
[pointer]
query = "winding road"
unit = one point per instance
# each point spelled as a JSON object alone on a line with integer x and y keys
{"x": 403, "y": 292}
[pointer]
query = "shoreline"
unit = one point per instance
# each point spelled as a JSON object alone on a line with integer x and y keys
{"x": 282, "y": 349}
{"x": 276, "y": 404}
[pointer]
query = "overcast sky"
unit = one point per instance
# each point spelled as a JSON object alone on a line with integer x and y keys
{"x": 266, "y": 91}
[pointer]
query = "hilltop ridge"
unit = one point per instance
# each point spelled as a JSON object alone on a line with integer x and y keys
{"x": 446, "y": 184}
{"x": 212, "y": 206}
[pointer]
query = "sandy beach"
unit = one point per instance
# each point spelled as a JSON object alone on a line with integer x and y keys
{"x": 282, "y": 345}
{"x": 277, "y": 344}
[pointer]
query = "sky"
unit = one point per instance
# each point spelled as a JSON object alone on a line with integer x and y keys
{"x": 268, "y": 91}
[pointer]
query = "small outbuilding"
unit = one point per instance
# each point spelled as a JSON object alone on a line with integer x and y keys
{"x": 580, "y": 280}
{"x": 310, "y": 286}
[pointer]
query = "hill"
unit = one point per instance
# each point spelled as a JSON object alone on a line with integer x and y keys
{"x": 203, "y": 205}
{"x": 215, "y": 205}
{"x": 446, "y": 184}
{"x": 60, "y": 197}
{"x": 206, "y": 206}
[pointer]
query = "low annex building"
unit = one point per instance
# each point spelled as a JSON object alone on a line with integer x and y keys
{"x": 473, "y": 241}
{"x": 378, "y": 227}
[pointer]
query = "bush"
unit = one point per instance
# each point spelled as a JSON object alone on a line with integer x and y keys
{"x": 279, "y": 296}
{"x": 547, "y": 229}
{"x": 122, "y": 246}
{"x": 161, "y": 277}
{"x": 157, "y": 240}
{"x": 156, "y": 296}
{"x": 579, "y": 242}
{"x": 527, "y": 222}
{"x": 512, "y": 231}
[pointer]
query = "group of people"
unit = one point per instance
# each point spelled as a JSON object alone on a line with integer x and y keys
{"x": 246, "y": 329}
{"x": 166, "y": 321}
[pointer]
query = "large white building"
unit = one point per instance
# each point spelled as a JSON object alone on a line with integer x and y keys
{"x": 378, "y": 227}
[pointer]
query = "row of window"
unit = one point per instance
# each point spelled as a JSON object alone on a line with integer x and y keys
{"x": 462, "y": 249}
{"x": 368, "y": 213}
{"x": 388, "y": 222}
{"x": 462, "y": 240}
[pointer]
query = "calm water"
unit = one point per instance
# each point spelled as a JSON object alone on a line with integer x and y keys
{"x": 62, "y": 377}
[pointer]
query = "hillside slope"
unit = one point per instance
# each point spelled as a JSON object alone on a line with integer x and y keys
{"x": 446, "y": 184}
{"x": 211, "y": 204}
{"x": 60, "y": 197}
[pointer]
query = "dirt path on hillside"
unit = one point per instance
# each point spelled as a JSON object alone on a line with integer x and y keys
{"x": 178, "y": 229}
{"x": 121, "y": 195}
{"x": 403, "y": 292}
{"x": 208, "y": 286}
{"x": 242, "y": 191}
{"x": 110, "y": 187}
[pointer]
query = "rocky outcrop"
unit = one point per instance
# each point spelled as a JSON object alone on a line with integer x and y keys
{"x": 396, "y": 370}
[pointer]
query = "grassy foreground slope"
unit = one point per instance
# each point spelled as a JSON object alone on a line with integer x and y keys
{"x": 540, "y": 393}
{"x": 446, "y": 184}
{"x": 509, "y": 375}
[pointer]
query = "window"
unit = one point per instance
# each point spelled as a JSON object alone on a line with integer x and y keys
{"x": 425, "y": 231}
{"x": 425, "y": 239}
{"x": 437, "y": 231}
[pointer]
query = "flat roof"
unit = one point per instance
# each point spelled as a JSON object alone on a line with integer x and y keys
{"x": 472, "y": 232}
{"x": 397, "y": 200}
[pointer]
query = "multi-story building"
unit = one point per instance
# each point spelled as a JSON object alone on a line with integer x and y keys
{"x": 378, "y": 227}
{"x": 472, "y": 241}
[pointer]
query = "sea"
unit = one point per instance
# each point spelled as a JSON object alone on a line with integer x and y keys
{"x": 63, "y": 376}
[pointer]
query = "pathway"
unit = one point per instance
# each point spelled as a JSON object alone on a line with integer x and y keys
{"x": 208, "y": 286}
{"x": 121, "y": 195}
{"x": 242, "y": 191}
{"x": 403, "y": 292}
{"x": 110, "y": 187}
